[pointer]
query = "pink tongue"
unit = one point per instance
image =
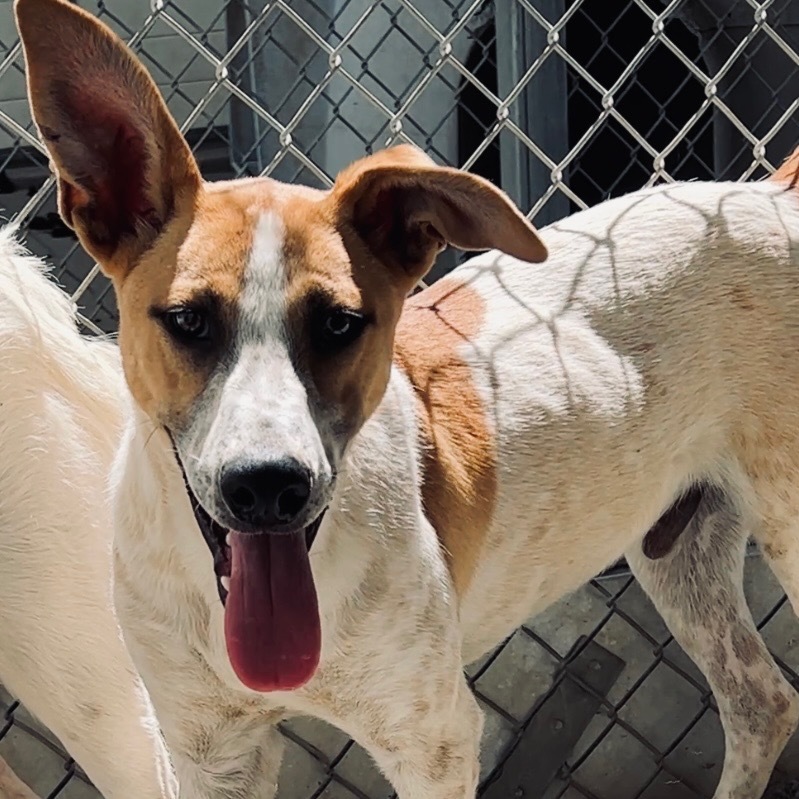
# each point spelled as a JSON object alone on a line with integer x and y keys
{"x": 272, "y": 627}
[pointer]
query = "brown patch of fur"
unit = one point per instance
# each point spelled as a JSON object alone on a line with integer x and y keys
{"x": 782, "y": 704}
{"x": 441, "y": 762}
{"x": 90, "y": 712}
{"x": 460, "y": 477}
{"x": 720, "y": 654}
{"x": 745, "y": 647}
{"x": 742, "y": 298}
{"x": 421, "y": 707}
{"x": 756, "y": 691}
{"x": 123, "y": 167}
{"x": 407, "y": 209}
{"x": 326, "y": 263}
{"x": 204, "y": 255}
{"x": 772, "y": 551}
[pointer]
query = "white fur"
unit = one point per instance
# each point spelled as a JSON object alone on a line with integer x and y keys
{"x": 61, "y": 653}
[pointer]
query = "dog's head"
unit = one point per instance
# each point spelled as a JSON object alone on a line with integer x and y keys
{"x": 256, "y": 318}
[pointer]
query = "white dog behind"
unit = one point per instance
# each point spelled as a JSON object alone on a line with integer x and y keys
{"x": 62, "y": 398}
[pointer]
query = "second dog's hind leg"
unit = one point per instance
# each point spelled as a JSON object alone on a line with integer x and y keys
{"x": 698, "y": 589}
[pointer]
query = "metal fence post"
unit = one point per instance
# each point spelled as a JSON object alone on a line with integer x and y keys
{"x": 540, "y": 109}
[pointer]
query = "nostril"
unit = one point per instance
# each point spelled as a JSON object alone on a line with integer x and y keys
{"x": 242, "y": 499}
{"x": 291, "y": 501}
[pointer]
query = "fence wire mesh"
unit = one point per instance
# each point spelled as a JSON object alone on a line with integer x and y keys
{"x": 562, "y": 102}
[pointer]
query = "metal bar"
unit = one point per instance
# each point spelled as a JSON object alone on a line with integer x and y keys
{"x": 535, "y": 104}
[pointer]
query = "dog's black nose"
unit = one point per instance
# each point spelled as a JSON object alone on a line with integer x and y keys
{"x": 264, "y": 495}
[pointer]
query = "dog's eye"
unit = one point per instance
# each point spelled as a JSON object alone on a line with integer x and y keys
{"x": 187, "y": 324}
{"x": 336, "y": 328}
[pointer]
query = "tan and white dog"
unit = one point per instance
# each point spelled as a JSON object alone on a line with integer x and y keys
{"x": 325, "y": 505}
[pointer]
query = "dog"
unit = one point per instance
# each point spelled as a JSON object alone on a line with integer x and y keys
{"x": 62, "y": 400}
{"x": 327, "y": 499}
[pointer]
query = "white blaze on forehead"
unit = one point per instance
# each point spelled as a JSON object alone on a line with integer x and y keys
{"x": 262, "y": 304}
{"x": 263, "y": 398}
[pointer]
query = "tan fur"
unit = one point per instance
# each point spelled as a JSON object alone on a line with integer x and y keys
{"x": 460, "y": 480}
{"x": 406, "y": 210}
{"x": 788, "y": 170}
{"x": 321, "y": 261}
{"x": 189, "y": 263}
{"x": 158, "y": 169}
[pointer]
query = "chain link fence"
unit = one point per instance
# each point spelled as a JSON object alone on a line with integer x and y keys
{"x": 563, "y": 103}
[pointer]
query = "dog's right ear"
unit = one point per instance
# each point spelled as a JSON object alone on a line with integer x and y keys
{"x": 123, "y": 167}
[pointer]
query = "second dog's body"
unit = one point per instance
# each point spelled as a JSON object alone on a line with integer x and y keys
{"x": 61, "y": 652}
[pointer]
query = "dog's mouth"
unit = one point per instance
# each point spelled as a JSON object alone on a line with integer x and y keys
{"x": 219, "y": 540}
{"x": 264, "y": 580}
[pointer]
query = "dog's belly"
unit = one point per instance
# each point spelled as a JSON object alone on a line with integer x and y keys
{"x": 535, "y": 556}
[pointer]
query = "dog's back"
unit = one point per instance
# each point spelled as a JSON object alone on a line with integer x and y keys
{"x": 61, "y": 404}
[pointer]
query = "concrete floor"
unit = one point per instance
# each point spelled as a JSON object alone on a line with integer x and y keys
{"x": 617, "y": 766}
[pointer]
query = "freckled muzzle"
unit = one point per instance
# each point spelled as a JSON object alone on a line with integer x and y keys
{"x": 272, "y": 623}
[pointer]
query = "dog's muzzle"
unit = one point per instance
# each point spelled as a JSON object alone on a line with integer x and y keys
{"x": 216, "y": 536}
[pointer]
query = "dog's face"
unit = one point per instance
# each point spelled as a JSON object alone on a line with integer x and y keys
{"x": 256, "y": 319}
{"x": 266, "y": 349}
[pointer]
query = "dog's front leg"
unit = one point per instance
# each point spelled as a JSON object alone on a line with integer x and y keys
{"x": 435, "y": 753}
{"x": 223, "y": 744}
{"x": 239, "y": 760}
{"x": 222, "y": 747}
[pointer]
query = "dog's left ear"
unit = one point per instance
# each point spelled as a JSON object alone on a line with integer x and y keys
{"x": 407, "y": 210}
